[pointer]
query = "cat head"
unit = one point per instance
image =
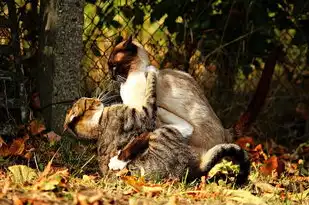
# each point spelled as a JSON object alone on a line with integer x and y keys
{"x": 127, "y": 56}
{"x": 83, "y": 118}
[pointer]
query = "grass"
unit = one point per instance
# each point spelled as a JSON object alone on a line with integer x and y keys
{"x": 58, "y": 176}
{"x": 97, "y": 190}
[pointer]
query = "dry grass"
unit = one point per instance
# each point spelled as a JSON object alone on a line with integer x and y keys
{"x": 59, "y": 176}
{"x": 22, "y": 185}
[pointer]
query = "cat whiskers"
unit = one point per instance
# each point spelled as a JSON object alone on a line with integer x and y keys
{"x": 120, "y": 79}
{"x": 103, "y": 95}
{"x": 109, "y": 99}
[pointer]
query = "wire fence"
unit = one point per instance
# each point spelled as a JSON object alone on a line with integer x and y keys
{"x": 17, "y": 43}
{"x": 287, "y": 105}
{"x": 105, "y": 20}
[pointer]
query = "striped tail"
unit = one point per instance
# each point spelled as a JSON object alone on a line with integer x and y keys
{"x": 218, "y": 152}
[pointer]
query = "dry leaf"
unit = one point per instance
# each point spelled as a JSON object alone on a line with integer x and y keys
{"x": 28, "y": 155}
{"x": 58, "y": 179}
{"x": 139, "y": 185}
{"x": 244, "y": 197}
{"x": 2, "y": 142}
{"x": 46, "y": 170}
{"x": 173, "y": 200}
{"x": 86, "y": 197}
{"x": 245, "y": 143}
{"x": 22, "y": 173}
{"x": 36, "y": 127}
{"x": 268, "y": 188}
{"x": 17, "y": 201}
{"x": 17, "y": 147}
{"x": 257, "y": 154}
{"x": 53, "y": 137}
{"x": 4, "y": 150}
{"x": 202, "y": 194}
{"x": 272, "y": 164}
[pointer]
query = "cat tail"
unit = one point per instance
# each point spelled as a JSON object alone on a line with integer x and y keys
{"x": 218, "y": 152}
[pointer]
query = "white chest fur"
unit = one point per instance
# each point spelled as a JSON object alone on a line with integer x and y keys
{"x": 132, "y": 92}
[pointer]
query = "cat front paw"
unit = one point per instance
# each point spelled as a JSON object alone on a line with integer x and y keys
{"x": 116, "y": 164}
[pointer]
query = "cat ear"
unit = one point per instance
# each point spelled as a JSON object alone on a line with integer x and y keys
{"x": 128, "y": 42}
{"x": 118, "y": 40}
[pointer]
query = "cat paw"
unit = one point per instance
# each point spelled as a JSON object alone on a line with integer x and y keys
{"x": 116, "y": 164}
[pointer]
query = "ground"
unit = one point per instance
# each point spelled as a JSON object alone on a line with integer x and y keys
{"x": 41, "y": 167}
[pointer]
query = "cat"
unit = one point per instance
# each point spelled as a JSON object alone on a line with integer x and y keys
{"x": 159, "y": 151}
{"x": 180, "y": 100}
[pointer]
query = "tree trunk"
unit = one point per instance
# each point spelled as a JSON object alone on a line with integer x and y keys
{"x": 61, "y": 48}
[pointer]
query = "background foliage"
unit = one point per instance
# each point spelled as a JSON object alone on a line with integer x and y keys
{"x": 223, "y": 44}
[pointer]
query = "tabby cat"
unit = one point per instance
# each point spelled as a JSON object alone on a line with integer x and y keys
{"x": 163, "y": 152}
{"x": 180, "y": 100}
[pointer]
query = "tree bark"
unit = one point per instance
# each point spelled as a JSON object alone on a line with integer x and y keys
{"x": 61, "y": 48}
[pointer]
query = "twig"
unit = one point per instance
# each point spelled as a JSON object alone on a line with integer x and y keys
{"x": 88, "y": 161}
{"x": 231, "y": 42}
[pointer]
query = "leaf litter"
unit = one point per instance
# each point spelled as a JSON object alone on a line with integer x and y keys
{"x": 277, "y": 177}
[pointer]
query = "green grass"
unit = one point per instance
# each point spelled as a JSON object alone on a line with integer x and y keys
{"x": 86, "y": 190}
{"x": 73, "y": 178}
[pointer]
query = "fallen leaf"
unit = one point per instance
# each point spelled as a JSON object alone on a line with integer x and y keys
{"x": 173, "y": 200}
{"x": 46, "y": 170}
{"x": 58, "y": 179}
{"x": 17, "y": 201}
{"x": 245, "y": 143}
{"x": 122, "y": 172}
{"x": 139, "y": 185}
{"x": 268, "y": 188}
{"x": 88, "y": 178}
{"x": 17, "y": 147}
{"x": 202, "y": 194}
{"x": 244, "y": 197}
{"x": 22, "y": 173}
{"x": 89, "y": 197}
{"x": 272, "y": 164}
{"x": 28, "y": 155}
{"x": 4, "y": 150}
{"x": 257, "y": 154}
{"x": 6, "y": 187}
{"x": 258, "y": 148}
{"x": 36, "y": 127}
{"x": 2, "y": 142}
{"x": 53, "y": 137}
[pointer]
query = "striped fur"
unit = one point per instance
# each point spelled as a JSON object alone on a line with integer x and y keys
{"x": 167, "y": 153}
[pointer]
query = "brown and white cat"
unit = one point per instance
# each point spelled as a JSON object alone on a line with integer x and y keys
{"x": 161, "y": 152}
{"x": 181, "y": 103}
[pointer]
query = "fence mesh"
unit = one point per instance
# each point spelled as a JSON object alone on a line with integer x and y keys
{"x": 18, "y": 37}
{"x": 104, "y": 21}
